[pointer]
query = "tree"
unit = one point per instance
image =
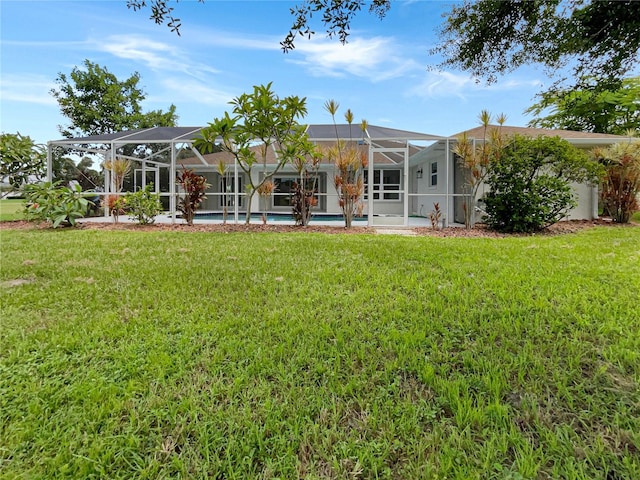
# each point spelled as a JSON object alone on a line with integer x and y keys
{"x": 530, "y": 183}
{"x": 349, "y": 162}
{"x": 620, "y": 185}
{"x": 261, "y": 121}
{"x": 336, "y": 15}
{"x": 488, "y": 38}
{"x": 21, "y": 160}
{"x": 306, "y": 159}
{"x": 475, "y": 157}
{"x": 161, "y": 12}
{"x": 96, "y": 102}
{"x": 590, "y": 109}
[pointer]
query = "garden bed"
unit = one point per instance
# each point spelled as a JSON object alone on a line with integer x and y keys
{"x": 480, "y": 230}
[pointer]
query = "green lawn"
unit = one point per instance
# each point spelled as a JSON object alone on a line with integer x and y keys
{"x": 11, "y": 209}
{"x": 198, "y": 355}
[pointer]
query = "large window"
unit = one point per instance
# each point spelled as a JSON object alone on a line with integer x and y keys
{"x": 281, "y": 198}
{"x": 385, "y": 185}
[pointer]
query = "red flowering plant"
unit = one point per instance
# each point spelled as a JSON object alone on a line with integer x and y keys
{"x": 194, "y": 188}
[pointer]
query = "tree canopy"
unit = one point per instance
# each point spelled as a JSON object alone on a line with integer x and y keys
{"x": 21, "y": 159}
{"x": 260, "y": 121}
{"x": 590, "y": 109}
{"x": 96, "y": 102}
{"x": 488, "y": 38}
{"x": 491, "y": 37}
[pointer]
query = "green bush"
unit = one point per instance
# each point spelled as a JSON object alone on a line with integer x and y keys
{"x": 620, "y": 185}
{"x": 530, "y": 183}
{"x": 143, "y": 205}
{"x": 55, "y": 204}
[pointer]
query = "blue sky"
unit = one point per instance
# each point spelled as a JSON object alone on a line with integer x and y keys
{"x": 226, "y": 47}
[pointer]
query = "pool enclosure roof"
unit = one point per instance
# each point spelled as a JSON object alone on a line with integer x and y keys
{"x": 188, "y": 134}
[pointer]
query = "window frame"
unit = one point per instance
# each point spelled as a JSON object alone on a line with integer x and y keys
{"x": 382, "y": 188}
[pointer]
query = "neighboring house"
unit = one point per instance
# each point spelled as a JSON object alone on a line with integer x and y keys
{"x": 407, "y": 171}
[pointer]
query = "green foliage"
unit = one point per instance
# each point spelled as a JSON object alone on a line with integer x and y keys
{"x": 590, "y": 109}
{"x": 194, "y": 187}
{"x": 96, "y": 102}
{"x": 342, "y": 356}
{"x": 55, "y": 204}
{"x": 488, "y": 38}
{"x": 530, "y": 183}
{"x": 336, "y": 17}
{"x": 620, "y": 185}
{"x": 20, "y": 159}
{"x": 306, "y": 159}
{"x": 261, "y": 118}
{"x": 143, "y": 205}
{"x": 87, "y": 177}
{"x": 475, "y": 157}
{"x": 349, "y": 163}
{"x": 161, "y": 12}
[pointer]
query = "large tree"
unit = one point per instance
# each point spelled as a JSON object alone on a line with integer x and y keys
{"x": 96, "y": 102}
{"x": 590, "y": 109}
{"x": 491, "y": 37}
{"x": 260, "y": 121}
{"x": 21, "y": 160}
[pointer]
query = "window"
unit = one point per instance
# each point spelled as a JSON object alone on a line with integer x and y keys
{"x": 433, "y": 174}
{"x": 385, "y": 183}
{"x": 227, "y": 196}
{"x": 281, "y": 198}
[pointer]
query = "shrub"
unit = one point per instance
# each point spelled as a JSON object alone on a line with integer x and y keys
{"x": 349, "y": 163}
{"x": 143, "y": 205}
{"x": 435, "y": 216}
{"x": 55, "y": 204}
{"x": 194, "y": 187}
{"x": 530, "y": 183}
{"x": 117, "y": 206}
{"x": 621, "y": 182}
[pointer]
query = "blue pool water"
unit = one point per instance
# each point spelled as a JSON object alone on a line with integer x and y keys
{"x": 282, "y": 217}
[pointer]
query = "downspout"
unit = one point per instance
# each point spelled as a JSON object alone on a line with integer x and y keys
{"x": 49, "y": 162}
{"x": 172, "y": 184}
{"x": 406, "y": 184}
{"x": 236, "y": 186}
{"x": 595, "y": 194}
{"x": 447, "y": 169}
{"x": 369, "y": 189}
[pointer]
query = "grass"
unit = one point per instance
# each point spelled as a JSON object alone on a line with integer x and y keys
{"x": 164, "y": 354}
{"x": 11, "y": 209}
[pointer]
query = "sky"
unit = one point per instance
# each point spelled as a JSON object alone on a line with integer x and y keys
{"x": 227, "y": 47}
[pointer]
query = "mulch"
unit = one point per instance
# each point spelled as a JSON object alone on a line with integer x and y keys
{"x": 479, "y": 231}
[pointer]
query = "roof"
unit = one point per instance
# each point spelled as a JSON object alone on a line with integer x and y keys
{"x": 379, "y": 158}
{"x": 478, "y": 132}
{"x": 142, "y": 135}
{"x": 186, "y": 134}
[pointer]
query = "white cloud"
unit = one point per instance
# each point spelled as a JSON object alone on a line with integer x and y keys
{"x": 155, "y": 55}
{"x": 448, "y": 84}
{"x": 27, "y": 88}
{"x": 232, "y": 40}
{"x": 376, "y": 58}
{"x": 180, "y": 91}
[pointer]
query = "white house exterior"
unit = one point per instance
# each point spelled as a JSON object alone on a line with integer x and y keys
{"x": 407, "y": 172}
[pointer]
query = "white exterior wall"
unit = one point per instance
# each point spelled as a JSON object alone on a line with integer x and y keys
{"x": 422, "y": 203}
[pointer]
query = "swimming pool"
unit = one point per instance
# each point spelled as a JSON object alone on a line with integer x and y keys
{"x": 279, "y": 217}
